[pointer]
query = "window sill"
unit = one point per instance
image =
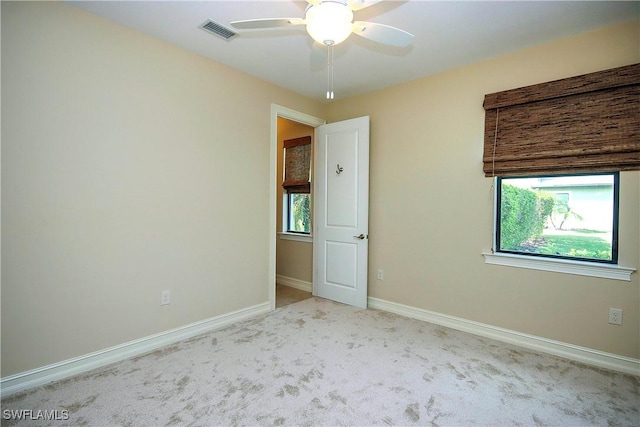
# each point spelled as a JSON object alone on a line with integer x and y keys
{"x": 306, "y": 238}
{"x": 605, "y": 271}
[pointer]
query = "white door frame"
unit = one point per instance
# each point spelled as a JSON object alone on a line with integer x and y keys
{"x": 296, "y": 116}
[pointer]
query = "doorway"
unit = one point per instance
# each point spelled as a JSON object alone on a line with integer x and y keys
{"x": 291, "y": 255}
{"x": 294, "y": 245}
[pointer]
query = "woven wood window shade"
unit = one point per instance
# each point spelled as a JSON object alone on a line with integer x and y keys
{"x": 589, "y": 123}
{"x": 297, "y": 165}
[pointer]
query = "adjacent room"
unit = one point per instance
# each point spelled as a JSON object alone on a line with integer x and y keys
{"x": 435, "y": 221}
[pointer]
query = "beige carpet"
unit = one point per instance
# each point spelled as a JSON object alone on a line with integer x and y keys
{"x": 320, "y": 363}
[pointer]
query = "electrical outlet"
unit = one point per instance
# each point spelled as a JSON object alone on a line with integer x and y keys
{"x": 615, "y": 316}
{"x": 380, "y": 274}
{"x": 165, "y": 299}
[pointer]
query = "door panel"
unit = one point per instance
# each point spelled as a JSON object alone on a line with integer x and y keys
{"x": 342, "y": 188}
{"x": 341, "y": 254}
{"x": 341, "y": 211}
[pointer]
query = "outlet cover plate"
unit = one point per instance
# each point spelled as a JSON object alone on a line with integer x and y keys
{"x": 615, "y": 316}
{"x": 165, "y": 298}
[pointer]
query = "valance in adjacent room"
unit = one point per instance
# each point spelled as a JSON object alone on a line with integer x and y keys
{"x": 297, "y": 165}
{"x": 589, "y": 123}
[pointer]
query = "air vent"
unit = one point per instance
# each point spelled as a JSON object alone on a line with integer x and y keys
{"x": 218, "y": 30}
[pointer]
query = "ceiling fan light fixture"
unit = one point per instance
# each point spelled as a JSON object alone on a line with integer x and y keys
{"x": 329, "y": 22}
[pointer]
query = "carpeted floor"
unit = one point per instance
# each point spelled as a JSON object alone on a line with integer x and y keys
{"x": 319, "y": 363}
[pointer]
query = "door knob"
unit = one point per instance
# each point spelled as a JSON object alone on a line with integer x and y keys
{"x": 361, "y": 236}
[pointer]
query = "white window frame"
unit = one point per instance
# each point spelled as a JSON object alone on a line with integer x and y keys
{"x": 306, "y": 238}
{"x": 287, "y": 235}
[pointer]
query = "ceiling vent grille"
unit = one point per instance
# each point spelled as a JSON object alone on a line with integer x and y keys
{"x": 218, "y": 30}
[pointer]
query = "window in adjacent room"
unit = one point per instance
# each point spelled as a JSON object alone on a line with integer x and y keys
{"x": 560, "y": 216}
{"x": 297, "y": 185}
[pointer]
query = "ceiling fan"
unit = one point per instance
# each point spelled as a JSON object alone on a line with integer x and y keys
{"x": 330, "y": 22}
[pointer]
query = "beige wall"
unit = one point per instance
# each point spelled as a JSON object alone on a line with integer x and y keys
{"x": 431, "y": 206}
{"x": 293, "y": 259}
{"x": 129, "y": 166}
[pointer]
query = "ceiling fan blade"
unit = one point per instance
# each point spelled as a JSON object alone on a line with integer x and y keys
{"x": 255, "y": 24}
{"x": 360, "y": 4}
{"x": 382, "y": 33}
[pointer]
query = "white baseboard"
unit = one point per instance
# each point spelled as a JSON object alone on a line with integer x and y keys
{"x": 585, "y": 355}
{"x": 294, "y": 283}
{"x": 68, "y": 368}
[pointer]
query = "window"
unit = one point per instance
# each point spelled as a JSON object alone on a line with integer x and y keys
{"x": 562, "y": 216}
{"x": 299, "y": 213}
{"x": 297, "y": 185}
{"x": 539, "y": 135}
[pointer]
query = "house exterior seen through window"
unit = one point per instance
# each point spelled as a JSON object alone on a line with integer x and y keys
{"x": 563, "y": 216}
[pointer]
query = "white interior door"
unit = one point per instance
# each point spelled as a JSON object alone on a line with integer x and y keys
{"x": 341, "y": 211}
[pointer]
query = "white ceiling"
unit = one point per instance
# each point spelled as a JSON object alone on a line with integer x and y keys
{"x": 448, "y": 34}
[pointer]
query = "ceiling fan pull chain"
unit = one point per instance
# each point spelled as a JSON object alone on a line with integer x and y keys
{"x": 329, "y": 71}
{"x": 331, "y": 56}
